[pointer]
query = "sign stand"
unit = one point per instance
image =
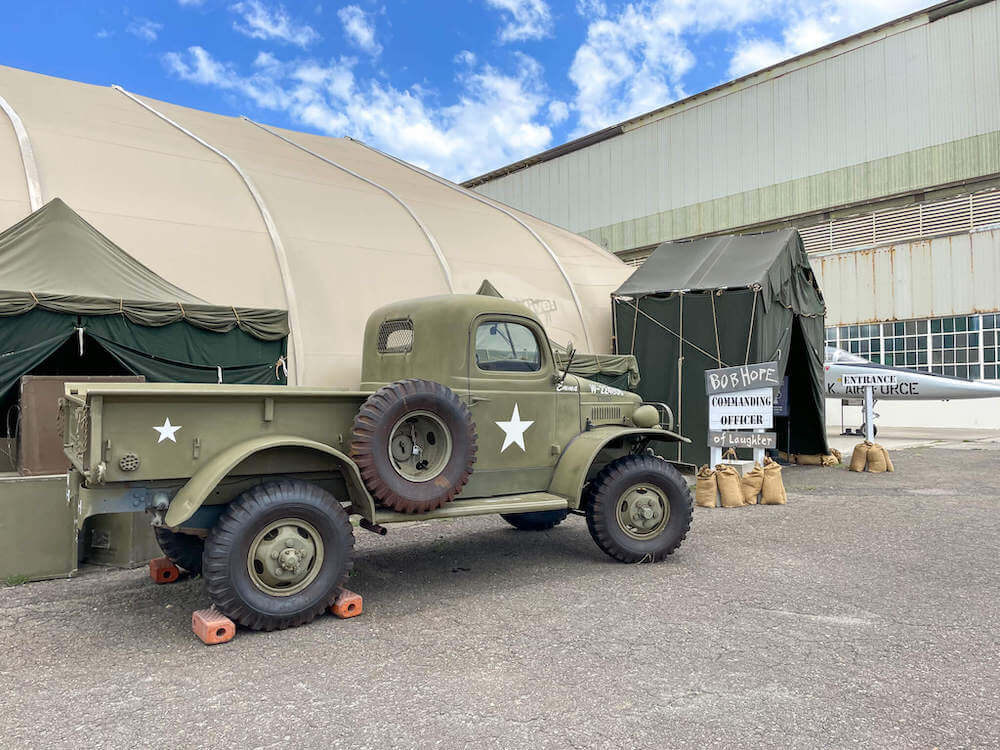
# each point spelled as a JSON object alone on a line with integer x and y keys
{"x": 869, "y": 415}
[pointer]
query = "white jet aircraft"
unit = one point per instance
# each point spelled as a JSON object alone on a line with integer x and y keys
{"x": 910, "y": 385}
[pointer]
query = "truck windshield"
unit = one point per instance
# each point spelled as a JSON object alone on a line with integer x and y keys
{"x": 506, "y": 347}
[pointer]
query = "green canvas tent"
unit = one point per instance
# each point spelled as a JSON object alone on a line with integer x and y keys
{"x": 616, "y": 370}
{"x": 721, "y": 302}
{"x": 63, "y": 281}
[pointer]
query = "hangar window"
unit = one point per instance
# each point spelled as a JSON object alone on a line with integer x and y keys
{"x": 966, "y": 346}
{"x": 395, "y": 337}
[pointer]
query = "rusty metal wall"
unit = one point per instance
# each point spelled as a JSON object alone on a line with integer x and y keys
{"x": 898, "y": 109}
{"x": 948, "y": 275}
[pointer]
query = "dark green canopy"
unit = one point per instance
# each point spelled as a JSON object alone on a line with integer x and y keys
{"x": 721, "y": 302}
{"x": 59, "y": 275}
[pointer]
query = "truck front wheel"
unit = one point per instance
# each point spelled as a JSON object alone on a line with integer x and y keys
{"x": 638, "y": 509}
{"x": 278, "y": 554}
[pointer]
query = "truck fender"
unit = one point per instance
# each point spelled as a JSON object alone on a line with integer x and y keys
{"x": 193, "y": 494}
{"x": 581, "y": 452}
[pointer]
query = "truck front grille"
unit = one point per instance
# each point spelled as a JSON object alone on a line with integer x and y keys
{"x": 605, "y": 414}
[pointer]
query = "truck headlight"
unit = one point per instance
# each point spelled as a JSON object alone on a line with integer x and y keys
{"x": 646, "y": 416}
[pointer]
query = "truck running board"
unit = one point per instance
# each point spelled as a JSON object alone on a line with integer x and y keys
{"x": 482, "y": 506}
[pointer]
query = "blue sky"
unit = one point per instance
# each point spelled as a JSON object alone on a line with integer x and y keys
{"x": 457, "y": 86}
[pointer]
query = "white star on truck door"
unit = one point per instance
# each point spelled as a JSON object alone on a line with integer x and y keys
{"x": 513, "y": 430}
{"x": 167, "y": 431}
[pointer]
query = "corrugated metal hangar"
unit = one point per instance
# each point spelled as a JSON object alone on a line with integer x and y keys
{"x": 883, "y": 149}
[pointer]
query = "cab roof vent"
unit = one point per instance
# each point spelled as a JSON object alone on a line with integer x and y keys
{"x": 395, "y": 337}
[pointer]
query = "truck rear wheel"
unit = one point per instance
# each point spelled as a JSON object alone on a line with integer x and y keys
{"x": 183, "y": 550}
{"x": 278, "y": 554}
{"x": 638, "y": 509}
{"x": 539, "y": 520}
{"x": 415, "y": 443}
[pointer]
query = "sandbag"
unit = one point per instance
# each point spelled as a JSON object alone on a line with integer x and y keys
{"x": 706, "y": 490}
{"x": 729, "y": 486}
{"x": 859, "y": 459}
{"x": 876, "y": 459}
{"x": 810, "y": 459}
{"x": 888, "y": 461}
{"x": 772, "y": 491}
{"x": 751, "y": 484}
{"x": 833, "y": 458}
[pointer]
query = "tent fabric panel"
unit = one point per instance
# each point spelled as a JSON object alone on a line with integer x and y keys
{"x": 28, "y": 340}
{"x": 164, "y": 371}
{"x": 187, "y": 354}
{"x": 267, "y": 325}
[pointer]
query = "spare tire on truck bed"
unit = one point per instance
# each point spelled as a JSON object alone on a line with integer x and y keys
{"x": 415, "y": 443}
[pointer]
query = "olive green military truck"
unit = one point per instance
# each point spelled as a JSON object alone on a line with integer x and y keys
{"x": 462, "y": 411}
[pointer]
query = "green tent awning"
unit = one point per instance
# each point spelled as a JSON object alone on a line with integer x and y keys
{"x": 59, "y": 276}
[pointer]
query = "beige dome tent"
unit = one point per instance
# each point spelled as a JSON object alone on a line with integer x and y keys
{"x": 239, "y": 213}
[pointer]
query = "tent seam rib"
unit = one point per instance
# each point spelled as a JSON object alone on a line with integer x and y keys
{"x": 27, "y": 156}
{"x": 298, "y": 365}
{"x": 509, "y": 214}
{"x": 431, "y": 239}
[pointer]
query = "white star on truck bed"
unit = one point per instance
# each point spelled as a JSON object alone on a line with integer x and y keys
{"x": 167, "y": 431}
{"x": 513, "y": 430}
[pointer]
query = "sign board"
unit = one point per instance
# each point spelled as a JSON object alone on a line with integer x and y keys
{"x": 863, "y": 380}
{"x": 781, "y": 399}
{"x": 744, "y": 410}
{"x": 742, "y": 378}
{"x": 730, "y": 439}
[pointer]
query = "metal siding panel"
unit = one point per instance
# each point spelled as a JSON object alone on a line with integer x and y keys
{"x": 765, "y": 134}
{"x": 985, "y": 271}
{"x": 986, "y": 67}
{"x": 885, "y": 268}
{"x": 922, "y": 277}
{"x": 960, "y": 249}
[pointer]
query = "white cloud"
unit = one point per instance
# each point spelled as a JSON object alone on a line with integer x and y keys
{"x": 144, "y": 29}
{"x": 496, "y": 117}
{"x": 104, "y": 34}
{"x": 465, "y": 57}
{"x": 360, "y": 29}
{"x": 588, "y": 8}
{"x": 635, "y": 59}
{"x": 558, "y": 111}
{"x": 188, "y": 3}
{"x": 524, "y": 19}
{"x": 258, "y": 21}
{"x": 806, "y": 26}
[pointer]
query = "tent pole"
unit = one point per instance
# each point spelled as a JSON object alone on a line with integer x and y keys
{"x": 510, "y": 214}
{"x": 296, "y": 364}
{"x": 680, "y": 367}
{"x": 431, "y": 239}
{"x": 27, "y": 156}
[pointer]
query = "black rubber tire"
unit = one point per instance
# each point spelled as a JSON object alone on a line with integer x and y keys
{"x": 601, "y": 504}
{"x": 370, "y": 444}
{"x": 539, "y": 520}
{"x": 225, "y": 561}
{"x": 183, "y": 550}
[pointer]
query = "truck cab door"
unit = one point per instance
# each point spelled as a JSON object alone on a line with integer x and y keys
{"x": 512, "y": 397}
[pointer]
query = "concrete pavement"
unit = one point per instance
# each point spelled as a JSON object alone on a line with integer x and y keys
{"x": 862, "y": 614}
